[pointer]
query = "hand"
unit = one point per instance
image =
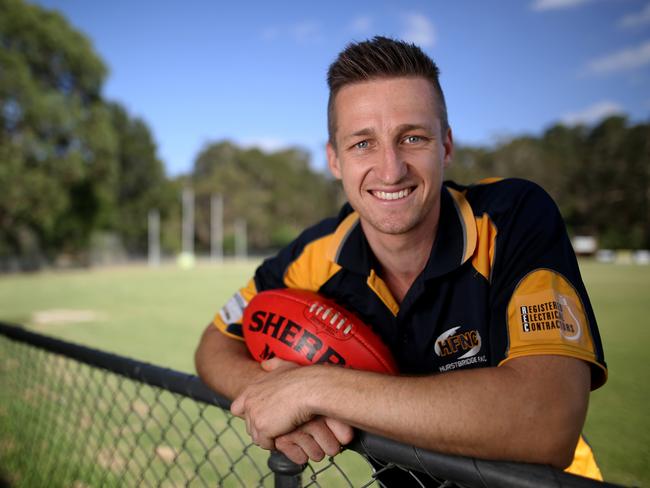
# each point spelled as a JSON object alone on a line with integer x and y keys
{"x": 294, "y": 432}
{"x": 315, "y": 439}
{"x": 274, "y": 404}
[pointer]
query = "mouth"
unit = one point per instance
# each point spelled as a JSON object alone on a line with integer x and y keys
{"x": 392, "y": 195}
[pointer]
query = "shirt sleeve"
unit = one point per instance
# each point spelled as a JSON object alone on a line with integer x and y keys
{"x": 304, "y": 254}
{"x": 540, "y": 304}
{"x": 228, "y": 320}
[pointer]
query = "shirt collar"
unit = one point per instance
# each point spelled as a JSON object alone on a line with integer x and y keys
{"x": 351, "y": 249}
{"x": 456, "y": 237}
{"x": 454, "y": 243}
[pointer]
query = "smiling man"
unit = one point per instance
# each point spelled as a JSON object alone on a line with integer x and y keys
{"x": 391, "y": 157}
{"x": 475, "y": 289}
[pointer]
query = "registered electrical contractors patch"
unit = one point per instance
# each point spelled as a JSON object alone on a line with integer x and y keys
{"x": 546, "y": 315}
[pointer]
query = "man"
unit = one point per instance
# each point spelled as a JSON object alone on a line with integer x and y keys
{"x": 475, "y": 289}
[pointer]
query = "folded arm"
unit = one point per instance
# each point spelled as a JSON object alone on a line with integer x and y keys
{"x": 225, "y": 366}
{"x": 530, "y": 409}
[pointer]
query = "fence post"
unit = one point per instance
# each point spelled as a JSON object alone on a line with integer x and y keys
{"x": 287, "y": 473}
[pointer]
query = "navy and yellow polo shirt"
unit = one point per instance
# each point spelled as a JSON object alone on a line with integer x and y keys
{"x": 502, "y": 281}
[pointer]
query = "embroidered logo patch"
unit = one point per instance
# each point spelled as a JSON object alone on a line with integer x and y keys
{"x": 449, "y": 343}
{"x": 461, "y": 348}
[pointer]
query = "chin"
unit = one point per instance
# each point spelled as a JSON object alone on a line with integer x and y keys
{"x": 394, "y": 226}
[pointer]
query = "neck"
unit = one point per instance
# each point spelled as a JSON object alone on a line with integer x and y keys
{"x": 402, "y": 257}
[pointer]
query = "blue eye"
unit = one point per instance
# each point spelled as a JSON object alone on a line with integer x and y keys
{"x": 413, "y": 139}
{"x": 361, "y": 145}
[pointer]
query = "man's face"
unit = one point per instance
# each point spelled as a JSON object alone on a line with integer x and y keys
{"x": 390, "y": 153}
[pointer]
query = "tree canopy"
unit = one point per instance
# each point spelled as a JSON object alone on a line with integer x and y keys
{"x": 74, "y": 166}
{"x": 71, "y": 163}
{"x": 599, "y": 176}
{"x": 277, "y": 193}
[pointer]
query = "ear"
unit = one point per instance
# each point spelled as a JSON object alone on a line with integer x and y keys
{"x": 448, "y": 144}
{"x": 333, "y": 161}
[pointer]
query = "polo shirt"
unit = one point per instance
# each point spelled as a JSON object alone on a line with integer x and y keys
{"x": 501, "y": 282}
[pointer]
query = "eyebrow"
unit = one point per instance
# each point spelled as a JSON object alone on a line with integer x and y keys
{"x": 363, "y": 132}
{"x": 408, "y": 127}
{"x": 367, "y": 131}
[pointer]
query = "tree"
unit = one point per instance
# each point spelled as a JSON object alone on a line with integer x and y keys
{"x": 58, "y": 176}
{"x": 617, "y": 175}
{"x": 72, "y": 164}
{"x": 141, "y": 182}
{"x": 277, "y": 193}
{"x": 599, "y": 176}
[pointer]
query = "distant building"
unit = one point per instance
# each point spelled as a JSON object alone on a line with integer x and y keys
{"x": 585, "y": 245}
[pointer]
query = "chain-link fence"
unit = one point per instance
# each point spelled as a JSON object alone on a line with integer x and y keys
{"x": 71, "y": 416}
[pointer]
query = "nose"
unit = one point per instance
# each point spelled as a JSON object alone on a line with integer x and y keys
{"x": 391, "y": 167}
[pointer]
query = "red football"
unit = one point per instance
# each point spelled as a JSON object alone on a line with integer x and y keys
{"x": 307, "y": 328}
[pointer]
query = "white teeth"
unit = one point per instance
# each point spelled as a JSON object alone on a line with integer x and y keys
{"x": 395, "y": 195}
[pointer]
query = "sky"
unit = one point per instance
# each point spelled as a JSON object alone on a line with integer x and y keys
{"x": 200, "y": 71}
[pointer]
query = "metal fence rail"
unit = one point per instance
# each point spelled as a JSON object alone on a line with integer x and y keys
{"x": 72, "y": 416}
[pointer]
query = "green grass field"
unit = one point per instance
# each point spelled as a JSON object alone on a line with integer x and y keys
{"x": 157, "y": 315}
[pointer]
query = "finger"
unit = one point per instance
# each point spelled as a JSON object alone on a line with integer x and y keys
{"x": 343, "y": 432}
{"x": 237, "y": 407}
{"x": 257, "y": 434}
{"x": 323, "y": 436}
{"x": 263, "y": 441}
{"x": 271, "y": 364}
{"x": 248, "y": 426}
{"x": 307, "y": 444}
{"x": 290, "y": 449}
{"x": 276, "y": 363}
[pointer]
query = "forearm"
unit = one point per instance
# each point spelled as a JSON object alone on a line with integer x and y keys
{"x": 495, "y": 413}
{"x": 224, "y": 363}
